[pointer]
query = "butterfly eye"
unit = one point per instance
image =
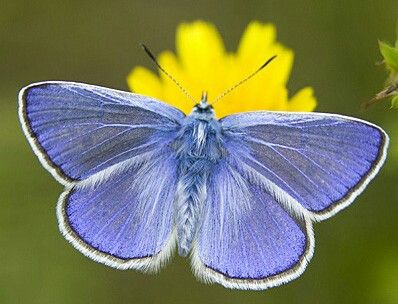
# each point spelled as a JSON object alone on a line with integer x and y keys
{"x": 203, "y": 109}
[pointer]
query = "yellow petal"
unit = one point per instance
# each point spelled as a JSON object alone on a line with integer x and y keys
{"x": 303, "y": 101}
{"x": 143, "y": 81}
{"x": 170, "y": 62}
{"x": 258, "y": 45}
{"x": 255, "y": 41}
{"x": 173, "y": 66}
{"x": 201, "y": 51}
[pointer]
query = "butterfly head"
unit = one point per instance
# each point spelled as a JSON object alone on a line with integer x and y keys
{"x": 203, "y": 108}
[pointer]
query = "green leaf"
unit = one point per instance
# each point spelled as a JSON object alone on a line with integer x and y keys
{"x": 390, "y": 55}
{"x": 394, "y": 103}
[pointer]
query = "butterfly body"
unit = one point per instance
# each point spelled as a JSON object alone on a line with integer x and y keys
{"x": 198, "y": 147}
{"x": 239, "y": 194}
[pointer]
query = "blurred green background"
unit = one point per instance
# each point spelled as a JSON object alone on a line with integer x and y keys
{"x": 335, "y": 42}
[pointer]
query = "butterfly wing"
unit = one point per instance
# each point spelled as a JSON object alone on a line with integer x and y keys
{"x": 124, "y": 219}
{"x": 281, "y": 171}
{"x": 78, "y": 130}
{"x": 110, "y": 149}
{"x": 247, "y": 240}
{"x": 315, "y": 163}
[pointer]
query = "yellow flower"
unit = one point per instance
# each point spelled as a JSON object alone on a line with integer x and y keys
{"x": 203, "y": 64}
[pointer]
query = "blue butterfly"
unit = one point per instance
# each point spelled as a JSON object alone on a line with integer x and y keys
{"x": 237, "y": 194}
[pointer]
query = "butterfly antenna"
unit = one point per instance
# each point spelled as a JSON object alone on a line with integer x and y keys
{"x": 152, "y": 57}
{"x": 243, "y": 80}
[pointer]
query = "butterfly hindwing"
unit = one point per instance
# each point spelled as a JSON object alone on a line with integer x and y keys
{"x": 315, "y": 163}
{"x": 125, "y": 218}
{"x": 78, "y": 130}
{"x": 246, "y": 239}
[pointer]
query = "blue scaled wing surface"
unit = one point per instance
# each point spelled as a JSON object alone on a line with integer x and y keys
{"x": 110, "y": 149}
{"x": 281, "y": 172}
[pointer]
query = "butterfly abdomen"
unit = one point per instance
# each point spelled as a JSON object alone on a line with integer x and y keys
{"x": 191, "y": 193}
{"x": 198, "y": 149}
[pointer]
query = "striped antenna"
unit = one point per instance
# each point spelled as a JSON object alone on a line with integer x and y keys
{"x": 153, "y": 58}
{"x": 243, "y": 80}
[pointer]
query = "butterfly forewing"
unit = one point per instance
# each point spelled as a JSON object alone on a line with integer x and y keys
{"x": 321, "y": 161}
{"x": 78, "y": 130}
